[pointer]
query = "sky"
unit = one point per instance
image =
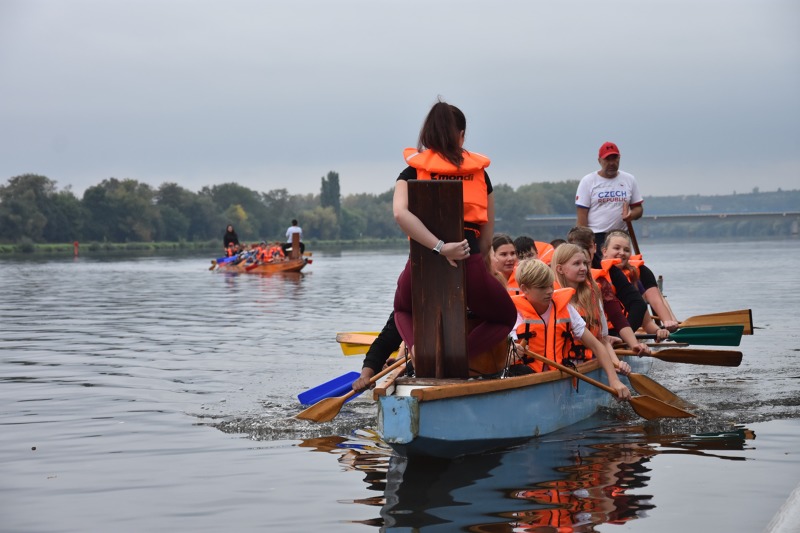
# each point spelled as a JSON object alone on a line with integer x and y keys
{"x": 700, "y": 95}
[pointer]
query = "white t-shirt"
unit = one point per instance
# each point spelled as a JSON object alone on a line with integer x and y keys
{"x": 577, "y": 323}
{"x": 604, "y": 197}
{"x": 292, "y": 230}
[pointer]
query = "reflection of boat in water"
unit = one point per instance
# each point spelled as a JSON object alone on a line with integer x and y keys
{"x": 578, "y": 479}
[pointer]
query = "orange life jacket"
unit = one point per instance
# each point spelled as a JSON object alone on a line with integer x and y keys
{"x": 513, "y": 285}
{"x": 432, "y": 166}
{"x": 545, "y": 251}
{"x": 581, "y": 353}
{"x": 552, "y": 340}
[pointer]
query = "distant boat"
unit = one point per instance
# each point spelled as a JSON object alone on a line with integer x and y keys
{"x": 287, "y": 265}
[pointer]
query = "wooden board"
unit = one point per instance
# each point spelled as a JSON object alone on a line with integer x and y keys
{"x": 438, "y": 297}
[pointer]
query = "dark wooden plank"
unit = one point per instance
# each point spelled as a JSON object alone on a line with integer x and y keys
{"x": 438, "y": 298}
{"x": 295, "y": 253}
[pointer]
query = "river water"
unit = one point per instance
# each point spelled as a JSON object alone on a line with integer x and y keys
{"x": 149, "y": 394}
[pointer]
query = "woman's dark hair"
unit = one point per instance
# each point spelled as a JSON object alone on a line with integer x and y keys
{"x": 500, "y": 239}
{"x": 441, "y": 132}
{"x": 294, "y": 222}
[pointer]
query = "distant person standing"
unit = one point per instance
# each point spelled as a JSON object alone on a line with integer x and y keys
{"x": 291, "y": 230}
{"x": 608, "y": 198}
{"x": 230, "y": 240}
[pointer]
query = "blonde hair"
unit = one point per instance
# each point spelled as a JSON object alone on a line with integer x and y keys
{"x": 534, "y": 273}
{"x": 587, "y": 294}
{"x": 634, "y": 271}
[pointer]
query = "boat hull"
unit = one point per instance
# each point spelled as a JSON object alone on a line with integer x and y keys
{"x": 440, "y": 423}
{"x": 290, "y": 265}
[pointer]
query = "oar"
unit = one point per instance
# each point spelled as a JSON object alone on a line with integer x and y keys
{"x": 633, "y": 237}
{"x": 743, "y": 317}
{"x": 356, "y": 343}
{"x": 213, "y": 264}
{"x": 705, "y": 335}
{"x": 650, "y": 387}
{"x": 645, "y": 406}
{"x": 335, "y": 387}
{"x": 693, "y": 356}
{"x": 327, "y": 409}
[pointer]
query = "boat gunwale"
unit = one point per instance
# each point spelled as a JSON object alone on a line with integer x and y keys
{"x": 459, "y": 388}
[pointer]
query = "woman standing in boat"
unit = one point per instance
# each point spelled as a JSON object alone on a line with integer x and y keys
{"x": 230, "y": 240}
{"x": 440, "y": 155}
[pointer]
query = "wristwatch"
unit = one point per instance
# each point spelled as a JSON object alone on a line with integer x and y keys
{"x": 438, "y": 248}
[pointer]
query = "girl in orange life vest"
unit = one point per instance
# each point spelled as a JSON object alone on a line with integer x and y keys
{"x": 504, "y": 260}
{"x": 440, "y": 153}
{"x": 571, "y": 268}
{"x": 618, "y": 246}
{"x": 627, "y": 293}
{"x": 551, "y": 314}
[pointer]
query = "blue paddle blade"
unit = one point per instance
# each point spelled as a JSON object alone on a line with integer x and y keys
{"x": 335, "y": 387}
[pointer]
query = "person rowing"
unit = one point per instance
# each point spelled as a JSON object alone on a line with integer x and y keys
{"x": 618, "y": 246}
{"x": 548, "y": 324}
{"x": 571, "y": 266}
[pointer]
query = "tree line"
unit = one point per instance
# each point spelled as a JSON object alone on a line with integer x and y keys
{"x": 33, "y": 209}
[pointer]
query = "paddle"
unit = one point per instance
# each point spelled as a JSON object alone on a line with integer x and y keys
{"x": 335, "y": 387}
{"x": 743, "y": 317}
{"x": 705, "y": 335}
{"x": 633, "y": 237}
{"x": 327, "y": 409}
{"x": 693, "y": 356}
{"x": 357, "y": 343}
{"x": 645, "y": 406}
{"x": 650, "y": 387}
{"x": 213, "y": 264}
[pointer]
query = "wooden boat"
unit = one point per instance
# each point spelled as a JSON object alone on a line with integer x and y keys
{"x": 288, "y": 265}
{"x": 441, "y": 412}
{"x": 294, "y": 263}
{"x": 448, "y": 418}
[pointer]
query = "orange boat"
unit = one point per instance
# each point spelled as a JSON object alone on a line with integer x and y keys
{"x": 288, "y": 265}
{"x": 294, "y": 263}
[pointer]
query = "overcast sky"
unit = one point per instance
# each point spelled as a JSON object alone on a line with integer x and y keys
{"x": 700, "y": 95}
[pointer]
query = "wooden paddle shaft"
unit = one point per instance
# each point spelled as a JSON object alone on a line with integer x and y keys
{"x": 570, "y": 371}
{"x": 633, "y": 237}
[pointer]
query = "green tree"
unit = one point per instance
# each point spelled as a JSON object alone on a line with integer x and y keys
{"x": 65, "y": 218}
{"x": 24, "y": 207}
{"x": 321, "y": 222}
{"x": 330, "y": 195}
{"x": 121, "y": 211}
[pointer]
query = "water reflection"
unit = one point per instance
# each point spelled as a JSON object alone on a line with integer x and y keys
{"x": 571, "y": 481}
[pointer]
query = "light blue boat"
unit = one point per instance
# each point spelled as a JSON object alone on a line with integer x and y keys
{"x": 448, "y": 418}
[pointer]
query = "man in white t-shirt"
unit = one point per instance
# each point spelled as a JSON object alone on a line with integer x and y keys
{"x": 608, "y": 198}
{"x": 291, "y": 230}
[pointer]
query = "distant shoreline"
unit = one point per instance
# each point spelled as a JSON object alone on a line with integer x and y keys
{"x": 213, "y": 250}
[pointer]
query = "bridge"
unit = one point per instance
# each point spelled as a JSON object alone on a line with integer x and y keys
{"x": 568, "y": 221}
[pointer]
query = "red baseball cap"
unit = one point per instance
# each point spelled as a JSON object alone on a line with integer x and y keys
{"x": 608, "y": 149}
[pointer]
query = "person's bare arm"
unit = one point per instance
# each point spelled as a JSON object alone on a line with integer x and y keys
{"x": 582, "y": 216}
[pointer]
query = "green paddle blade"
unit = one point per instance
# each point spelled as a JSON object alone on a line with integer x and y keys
{"x": 706, "y": 335}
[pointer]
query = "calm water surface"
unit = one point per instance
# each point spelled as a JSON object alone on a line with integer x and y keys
{"x": 150, "y": 394}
